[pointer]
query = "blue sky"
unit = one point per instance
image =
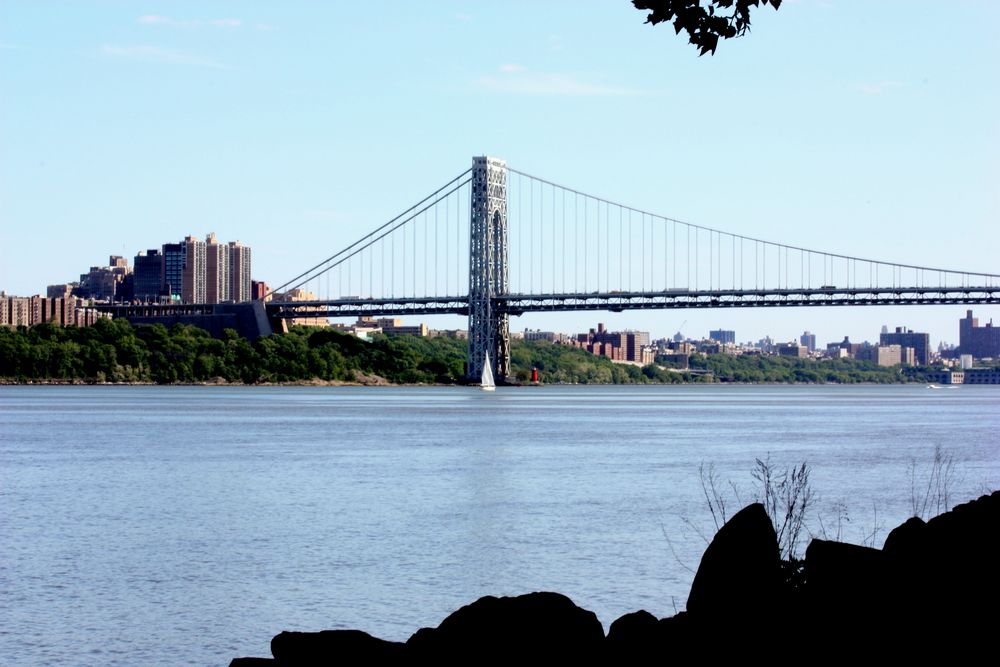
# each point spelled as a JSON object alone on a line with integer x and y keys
{"x": 866, "y": 128}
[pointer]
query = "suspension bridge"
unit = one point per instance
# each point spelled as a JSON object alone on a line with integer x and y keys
{"x": 494, "y": 242}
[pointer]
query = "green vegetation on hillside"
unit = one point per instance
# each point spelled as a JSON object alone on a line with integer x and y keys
{"x": 115, "y": 351}
{"x": 754, "y": 368}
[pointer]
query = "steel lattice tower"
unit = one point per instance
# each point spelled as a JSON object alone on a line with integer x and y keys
{"x": 489, "y": 330}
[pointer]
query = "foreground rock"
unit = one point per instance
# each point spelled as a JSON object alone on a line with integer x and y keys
{"x": 932, "y": 591}
{"x": 528, "y": 626}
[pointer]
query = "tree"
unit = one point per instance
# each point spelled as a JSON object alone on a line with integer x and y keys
{"x": 704, "y": 25}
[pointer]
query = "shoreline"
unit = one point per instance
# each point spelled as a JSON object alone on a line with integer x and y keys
{"x": 382, "y": 382}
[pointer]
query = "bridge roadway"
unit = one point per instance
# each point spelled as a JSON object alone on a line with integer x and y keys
{"x": 518, "y": 304}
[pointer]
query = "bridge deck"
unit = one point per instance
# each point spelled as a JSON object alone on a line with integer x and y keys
{"x": 517, "y": 304}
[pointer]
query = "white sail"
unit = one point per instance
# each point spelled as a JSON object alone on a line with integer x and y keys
{"x": 487, "y": 383}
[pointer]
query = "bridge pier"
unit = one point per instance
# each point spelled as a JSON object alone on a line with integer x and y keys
{"x": 489, "y": 329}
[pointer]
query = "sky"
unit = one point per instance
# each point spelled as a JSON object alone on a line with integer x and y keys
{"x": 868, "y": 129}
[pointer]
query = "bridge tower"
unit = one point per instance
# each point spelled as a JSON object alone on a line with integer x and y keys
{"x": 489, "y": 330}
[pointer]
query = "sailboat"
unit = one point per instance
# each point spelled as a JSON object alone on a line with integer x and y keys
{"x": 487, "y": 383}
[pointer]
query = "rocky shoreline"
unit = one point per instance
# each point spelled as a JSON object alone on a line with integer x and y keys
{"x": 932, "y": 590}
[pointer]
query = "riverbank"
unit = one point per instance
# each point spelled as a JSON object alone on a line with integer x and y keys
{"x": 112, "y": 351}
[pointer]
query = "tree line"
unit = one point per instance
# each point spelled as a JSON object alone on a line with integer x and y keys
{"x": 115, "y": 351}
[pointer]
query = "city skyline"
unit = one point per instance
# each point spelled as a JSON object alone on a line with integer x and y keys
{"x": 126, "y": 122}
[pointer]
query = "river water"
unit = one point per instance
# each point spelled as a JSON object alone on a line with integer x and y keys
{"x": 187, "y": 525}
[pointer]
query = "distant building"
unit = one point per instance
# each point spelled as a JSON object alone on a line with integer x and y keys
{"x": 391, "y": 325}
{"x": 16, "y": 310}
{"x": 147, "y": 281}
{"x": 194, "y": 283}
{"x": 920, "y": 342}
{"x": 792, "y": 350}
{"x": 678, "y": 359}
{"x": 240, "y": 266}
{"x": 550, "y": 336}
{"x": 887, "y": 355}
{"x": 808, "y": 340}
{"x": 217, "y": 276}
{"x": 845, "y": 348}
{"x": 173, "y": 269}
{"x": 460, "y": 334}
{"x": 617, "y": 345}
{"x": 107, "y": 283}
{"x": 299, "y": 294}
{"x": 723, "y": 336}
{"x": 684, "y": 348}
{"x": 61, "y": 291}
{"x": 982, "y": 376}
{"x": 27, "y": 311}
{"x": 981, "y": 342}
{"x": 195, "y": 271}
{"x": 259, "y": 290}
{"x": 406, "y": 330}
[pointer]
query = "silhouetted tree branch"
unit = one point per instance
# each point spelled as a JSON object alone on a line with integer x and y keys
{"x": 704, "y": 25}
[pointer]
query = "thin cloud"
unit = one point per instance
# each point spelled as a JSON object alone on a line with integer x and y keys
{"x": 264, "y": 26}
{"x": 879, "y": 88}
{"x": 524, "y": 83}
{"x": 155, "y": 54}
{"x": 155, "y": 19}
{"x": 168, "y": 22}
{"x": 512, "y": 68}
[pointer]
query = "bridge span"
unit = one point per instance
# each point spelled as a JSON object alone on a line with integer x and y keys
{"x": 495, "y": 242}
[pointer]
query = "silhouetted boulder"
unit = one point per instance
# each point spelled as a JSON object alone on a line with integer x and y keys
{"x": 844, "y": 585}
{"x": 636, "y": 626}
{"x": 525, "y": 626}
{"x": 295, "y": 649}
{"x": 252, "y": 662}
{"x": 740, "y": 572}
{"x": 633, "y": 636}
{"x": 943, "y": 571}
{"x": 908, "y": 537}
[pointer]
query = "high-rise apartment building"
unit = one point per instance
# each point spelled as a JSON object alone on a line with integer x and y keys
{"x": 808, "y": 340}
{"x": 239, "y": 272}
{"x": 981, "y": 342}
{"x": 723, "y": 336}
{"x": 217, "y": 276}
{"x": 193, "y": 277}
{"x": 206, "y": 271}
